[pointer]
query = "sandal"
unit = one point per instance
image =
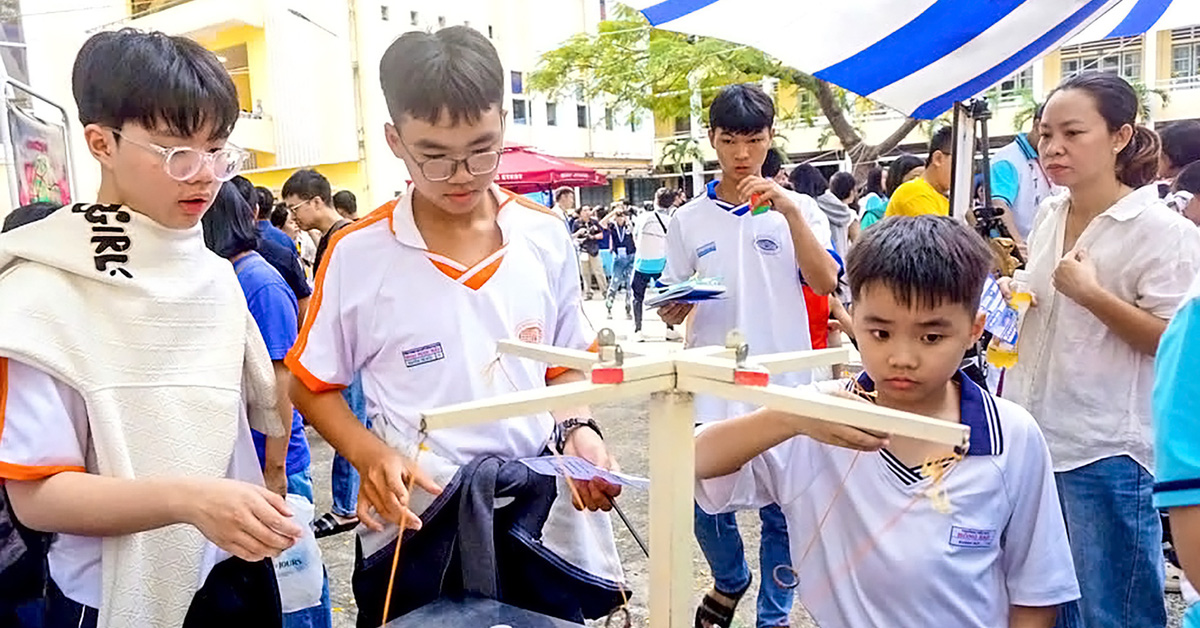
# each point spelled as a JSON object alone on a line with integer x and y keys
{"x": 328, "y": 525}
{"x": 713, "y": 612}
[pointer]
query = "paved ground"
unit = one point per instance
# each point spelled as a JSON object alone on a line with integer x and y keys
{"x": 626, "y": 430}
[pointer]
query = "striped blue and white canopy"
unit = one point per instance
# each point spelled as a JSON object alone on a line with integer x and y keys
{"x": 917, "y": 56}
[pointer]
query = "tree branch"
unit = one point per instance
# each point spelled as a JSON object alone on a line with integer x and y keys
{"x": 836, "y": 115}
{"x": 896, "y": 137}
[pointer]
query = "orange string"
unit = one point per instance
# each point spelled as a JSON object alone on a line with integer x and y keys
{"x": 557, "y": 458}
{"x": 828, "y": 509}
{"x": 387, "y": 601}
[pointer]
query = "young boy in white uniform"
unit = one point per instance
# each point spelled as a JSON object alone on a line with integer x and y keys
{"x": 870, "y": 546}
{"x": 761, "y": 258}
{"x": 127, "y": 363}
{"x": 415, "y": 297}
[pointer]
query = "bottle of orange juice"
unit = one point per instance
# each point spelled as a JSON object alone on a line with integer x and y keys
{"x": 1003, "y": 354}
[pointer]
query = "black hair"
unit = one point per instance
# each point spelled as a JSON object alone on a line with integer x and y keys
{"x": 942, "y": 142}
{"x": 742, "y": 109}
{"x": 875, "y": 182}
{"x": 1181, "y": 142}
{"x": 229, "y": 228}
{"x": 1188, "y": 179}
{"x": 924, "y": 260}
{"x": 345, "y": 202}
{"x": 1039, "y": 110}
{"x": 1118, "y": 104}
{"x": 455, "y": 70}
{"x": 308, "y": 183}
{"x": 246, "y": 189}
{"x": 773, "y": 163}
{"x": 900, "y": 167}
{"x": 265, "y": 201}
{"x": 279, "y": 215}
{"x": 30, "y": 213}
{"x": 665, "y": 197}
{"x": 842, "y": 185}
{"x": 561, "y": 192}
{"x": 806, "y": 179}
{"x": 155, "y": 80}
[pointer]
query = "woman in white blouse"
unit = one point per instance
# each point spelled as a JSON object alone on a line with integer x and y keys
{"x": 1110, "y": 265}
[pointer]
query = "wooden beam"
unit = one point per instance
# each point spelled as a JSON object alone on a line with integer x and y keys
{"x": 642, "y": 367}
{"x": 672, "y": 481}
{"x": 801, "y": 360}
{"x": 537, "y": 400}
{"x": 835, "y": 409}
{"x": 718, "y": 369}
{"x": 554, "y": 356}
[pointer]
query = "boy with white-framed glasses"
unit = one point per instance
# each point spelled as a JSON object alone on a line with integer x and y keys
{"x": 131, "y": 370}
{"x": 414, "y": 298}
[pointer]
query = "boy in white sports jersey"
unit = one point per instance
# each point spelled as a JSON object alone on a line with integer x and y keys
{"x": 872, "y": 542}
{"x": 761, "y": 258}
{"x": 415, "y": 297}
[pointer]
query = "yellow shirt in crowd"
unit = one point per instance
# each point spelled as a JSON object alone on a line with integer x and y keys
{"x": 917, "y": 198}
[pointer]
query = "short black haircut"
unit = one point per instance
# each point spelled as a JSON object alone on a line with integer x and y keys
{"x": 229, "y": 228}
{"x": 1188, "y": 179}
{"x": 942, "y": 142}
{"x": 665, "y": 197}
{"x": 245, "y": 188}
{"x": 279, "y": 215}
{"x": 30, "y": 213}
{"x": 924, "y": 260}
{"x": 265, "y": 201}
{"x": 455, "y": 70}
{"x": 561, "y": 192}
{"x": 742, "y": 109}
{"x": 773, "y": 164}
{"x": 345, "y": 202}
{"x": 899, "y": 168}
{"x": 308, "y": 183}
{"x": 842, "y": 184}
{"x": 807, "y": 180}
{"x": 1181, "y": 142}
{"x": 161, "y": 82}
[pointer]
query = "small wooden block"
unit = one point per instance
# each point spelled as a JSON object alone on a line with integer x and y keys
{"x": 751, "y": 378}
{"x": 607, "y": 375}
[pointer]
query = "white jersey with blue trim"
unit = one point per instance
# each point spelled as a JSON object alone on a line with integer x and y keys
{"x": 870, "y": 548}
{"x": 754, "y": 258}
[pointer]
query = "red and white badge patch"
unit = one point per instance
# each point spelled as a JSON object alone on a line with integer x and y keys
{"x": 530, "y": 331}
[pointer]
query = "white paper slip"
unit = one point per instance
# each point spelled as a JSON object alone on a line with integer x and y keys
{"x": 580, "y": 469}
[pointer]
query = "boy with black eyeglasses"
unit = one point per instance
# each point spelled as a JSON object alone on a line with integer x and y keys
{"x": 129, "y": 363}
{"x": 414, "y": 298}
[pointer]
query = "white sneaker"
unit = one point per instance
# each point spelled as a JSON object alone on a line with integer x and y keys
{"x": 638, "y": 336}
{"x": 1173, "y": 577}
{"x": 674, "y": 336}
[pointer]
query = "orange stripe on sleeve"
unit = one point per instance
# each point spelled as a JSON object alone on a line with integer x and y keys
{"x": 292, "y": 361}
{"x": 27, "y": 473}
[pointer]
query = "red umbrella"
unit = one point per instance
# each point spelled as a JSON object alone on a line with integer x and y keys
{"x": 524, "y": 170}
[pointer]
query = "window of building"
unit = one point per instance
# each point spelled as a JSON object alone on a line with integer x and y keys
{"x": 1119, "y": 56}
{"x": 683, "y": 126}
{"x": 1016, "y": 83}
{"x": 608, "y": 118}
{"x": 1185, "y": 54}
{"x": 518, "y": 83}
{"x": 414, "y": 18}
{"x": 12, "y": 46}
{"x": 551, "y": 114}
{"x": 520, "y": 111}
{"x": 581, "y": 116}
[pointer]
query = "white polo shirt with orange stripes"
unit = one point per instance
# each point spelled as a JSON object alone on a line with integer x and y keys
{"x": 422, "y": 329}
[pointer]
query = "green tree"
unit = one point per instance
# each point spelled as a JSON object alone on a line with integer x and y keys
{"x": 642, "y": 68}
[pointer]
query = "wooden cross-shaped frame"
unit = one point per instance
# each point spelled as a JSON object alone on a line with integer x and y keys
{"x": 671, "y": 380}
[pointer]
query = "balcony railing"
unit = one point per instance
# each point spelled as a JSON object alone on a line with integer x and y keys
{"x": 1180, "y": 83}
